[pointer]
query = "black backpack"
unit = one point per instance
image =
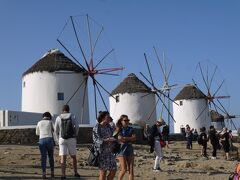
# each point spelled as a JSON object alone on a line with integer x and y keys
{"x": 200, "y": 140}
{"x": 67, "y": 130}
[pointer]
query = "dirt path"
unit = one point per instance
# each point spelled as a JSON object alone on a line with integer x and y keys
{"x": 23, "y": 162}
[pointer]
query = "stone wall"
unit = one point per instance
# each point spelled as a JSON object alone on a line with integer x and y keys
{"x": 27, "y": 136}
{"x": 18, "y": 136}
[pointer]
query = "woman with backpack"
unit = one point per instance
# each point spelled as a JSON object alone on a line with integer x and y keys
{"x": 125, "y": 156}
{"x": 45, "y": 130}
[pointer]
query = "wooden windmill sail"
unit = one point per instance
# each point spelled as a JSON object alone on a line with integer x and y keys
{"x": 229, "y": 118}
{"x": 214, "y": 98}
{"x": 166, "y": 87}
{"x": 81, "y": 38}
{"x": 162, "y": 93}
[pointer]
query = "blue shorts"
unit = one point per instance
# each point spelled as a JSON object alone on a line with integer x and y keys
{"x": 126, "y": 150}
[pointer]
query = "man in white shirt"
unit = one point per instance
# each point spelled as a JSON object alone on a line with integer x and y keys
{"x": 66, "y": 129}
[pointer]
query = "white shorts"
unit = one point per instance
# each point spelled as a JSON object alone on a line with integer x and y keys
{"x": 67, "y": 146}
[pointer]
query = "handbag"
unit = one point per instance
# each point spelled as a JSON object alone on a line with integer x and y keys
{"x": 162, "y": 143}
{"x": 93, "y": 158}
{"x": 116, "y": 147}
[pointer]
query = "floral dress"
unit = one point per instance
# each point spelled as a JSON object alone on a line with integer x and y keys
{"x": 106, "y": 158}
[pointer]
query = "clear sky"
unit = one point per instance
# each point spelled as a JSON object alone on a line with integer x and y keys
{"x": 187, "y": 31}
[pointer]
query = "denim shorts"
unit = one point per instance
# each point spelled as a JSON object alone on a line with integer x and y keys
{"x": 126, "y": 150}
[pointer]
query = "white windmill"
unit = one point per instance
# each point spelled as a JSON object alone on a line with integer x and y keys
{"x": 50, "y": 82}
{"x": 210, "y": 100}
{"x": 133, "y": 99}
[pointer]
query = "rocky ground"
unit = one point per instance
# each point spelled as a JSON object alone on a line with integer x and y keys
{"x": 23, "y": 162}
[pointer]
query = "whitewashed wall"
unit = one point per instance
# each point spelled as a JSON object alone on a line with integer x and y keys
{"x": 2, "y": 117}
{"x": 17, "y": 118}
{"x": 188, "y": 112}
{"x": 137, "y": 108}
{"x": 40, "y": 89}
{"x": 218, "y": 125}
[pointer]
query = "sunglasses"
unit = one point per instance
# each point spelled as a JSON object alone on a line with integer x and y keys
{"x": 126, "y": 120}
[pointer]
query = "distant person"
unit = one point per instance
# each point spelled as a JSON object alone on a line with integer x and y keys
{"x": 154, "y": 142}
{"x": 225, "y": 142}
{"x": 189, "y": 137}
{"x": 45, "y": 130}
{"x": 195, "y": 135}
{"x": 146, "y": 131}
{"x": 66, "y": 128}
{"x": 203, "y": 141}
{"x": 103, "y": 140}
{"x": 165, "y": 134}
{"x": 183, "y": 132}
{"x": 230, "y": 140}
{"x": 212, "y": 135}
{"x": 125, "y": 156}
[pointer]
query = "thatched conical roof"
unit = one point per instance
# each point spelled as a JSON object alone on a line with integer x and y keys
{"x": 54, "y": 60}
{"x": 216, "y": 117}
{"x": 131, "y": 84}
{"x": 190, "y": 92}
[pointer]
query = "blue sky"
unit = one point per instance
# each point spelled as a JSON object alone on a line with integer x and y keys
{"x": 187, "y": 31}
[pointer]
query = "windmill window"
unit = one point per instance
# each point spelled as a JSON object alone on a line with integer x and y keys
{"x": 24, "y": 83}
{"x": 180, "y": 103}
{"x": 60, "y": 96}
{"x": 117, "y": 99}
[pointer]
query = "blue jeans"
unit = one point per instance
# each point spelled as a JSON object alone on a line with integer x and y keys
{"x": 46, "y": 147}
{"x": 189, "y": 142}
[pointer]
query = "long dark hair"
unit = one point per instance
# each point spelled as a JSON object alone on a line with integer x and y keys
{"x": 119, "y": 122}
{"x": 102, "y": 115}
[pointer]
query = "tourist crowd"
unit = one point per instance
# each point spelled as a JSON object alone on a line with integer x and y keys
{"x": 113, "y": 142}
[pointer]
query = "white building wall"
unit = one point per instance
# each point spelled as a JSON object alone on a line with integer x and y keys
{"x": 137, "y": 106}
{"x": 17, "y": 118}
{"x": 188, "y": 112}
{"x": 2, "y": 118}
{"x": 40, "y": 93}
{"x": 218, "y": 125}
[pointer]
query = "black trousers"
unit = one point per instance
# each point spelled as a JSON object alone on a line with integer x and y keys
{"x": 214, "y": 152}
{"x": 204, "y": 149}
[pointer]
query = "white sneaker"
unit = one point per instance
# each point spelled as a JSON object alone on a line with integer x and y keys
{"x": 213, "y": 157}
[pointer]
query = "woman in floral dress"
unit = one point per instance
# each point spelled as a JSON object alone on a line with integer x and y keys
{"x": 103, "y": 139}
